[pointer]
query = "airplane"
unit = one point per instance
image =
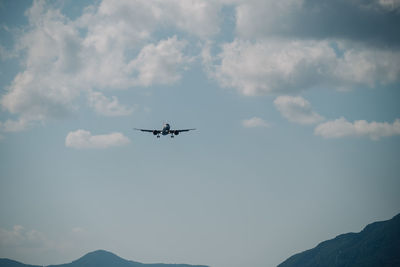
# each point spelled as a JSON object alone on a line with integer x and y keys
{"x": 166, "y": 129}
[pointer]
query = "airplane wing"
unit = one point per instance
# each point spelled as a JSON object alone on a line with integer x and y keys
{"x": 149, "y": 131}
{"x": 184, "y": 130}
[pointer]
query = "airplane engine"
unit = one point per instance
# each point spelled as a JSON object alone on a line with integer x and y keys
{"x": 155, "y": 132}
{"x": 176, "y": 132}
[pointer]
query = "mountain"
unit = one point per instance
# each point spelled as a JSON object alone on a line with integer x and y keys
{"x": 377, "y": 245}
{"x": 11, "y": 263}
{"x": 98, "y": 258}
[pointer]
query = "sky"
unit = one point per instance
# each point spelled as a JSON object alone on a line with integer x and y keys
{"x": 295, "y": 105}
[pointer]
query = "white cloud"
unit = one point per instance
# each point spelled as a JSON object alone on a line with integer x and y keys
{"x": 26, "y": 244}
{"x": 342, "y": 128}
{"x": 14, "y": 125}
{"x": 389, "y": 4}
{"x": 366, "y": 66}
{"x": 20, "y": 237}
{"x": 282, "y": 66}
{"x": 81, "y": 139}
{"x": 160, "y": 64}
{"x": 297, "y": 109}
{"x": 254, "y": 122}
{"x": 111, "y": 46}
{"x": 194, "y": 16}
{"x": 115, "y": 45}
{"x": 47, "y": 87}
{"x": 287, "y": 46}
{"x": 106, "y": 106}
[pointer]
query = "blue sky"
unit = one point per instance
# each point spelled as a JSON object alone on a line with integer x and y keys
{"x": 297, "y": 118}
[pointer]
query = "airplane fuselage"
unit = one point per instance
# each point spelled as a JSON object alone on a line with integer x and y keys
{"x": 165, "y": 129}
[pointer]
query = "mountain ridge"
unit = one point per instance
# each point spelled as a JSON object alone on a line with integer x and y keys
{"x": 97, "y": 258}
{"x": 378, "y": 244}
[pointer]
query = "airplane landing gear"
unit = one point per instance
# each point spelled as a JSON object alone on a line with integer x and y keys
{"x": 158, "y": 136}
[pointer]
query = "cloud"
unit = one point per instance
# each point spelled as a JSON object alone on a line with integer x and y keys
{"x": 369, "y": 21}
{"x": 342, "y": 128}
{"x": 297, "y": 109}
{"x": 14, "y": 125}
{"x": 20, "y": 237}
{"x": 391, "y": 5}
{"x": 110, "y": 46}
{"x": 281, "y": 47}
{"x": 254, "y": 122}
{"x": 81, "y": 139}
{"x": 282, "y": 66}
{"x": 46, "y": 87}
{"x": 106, "y": 106}
{"x": 26, "y": 244}
{"x": 197, "y": 17}
{"x": 160, "y": 64}
{"x": 5, "y": 53}
{"x": 288, "y": 46}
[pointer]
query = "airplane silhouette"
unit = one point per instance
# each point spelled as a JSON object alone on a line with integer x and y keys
{"x": 166, "y": 129}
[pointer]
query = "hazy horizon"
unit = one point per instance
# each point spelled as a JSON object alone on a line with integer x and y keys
{"x": 295, "y": 105}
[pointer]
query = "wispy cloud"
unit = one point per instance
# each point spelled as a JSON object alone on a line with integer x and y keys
{"x": 297, "y": 109}
{"x": 22, "y": 243}
{"x": 14, "y": 125}
{"x": 254, "y": 122}
{"x": 81, "y": 139}
{"x": 342, "y": 128}
{"x": 18, "y": 236}
{"x": 106, "y": 106}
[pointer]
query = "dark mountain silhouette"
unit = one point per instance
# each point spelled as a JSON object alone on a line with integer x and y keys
{"x": 11, "y": 263}
{"x": 99, "y": 258}
{"x": 377, "y": 245}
